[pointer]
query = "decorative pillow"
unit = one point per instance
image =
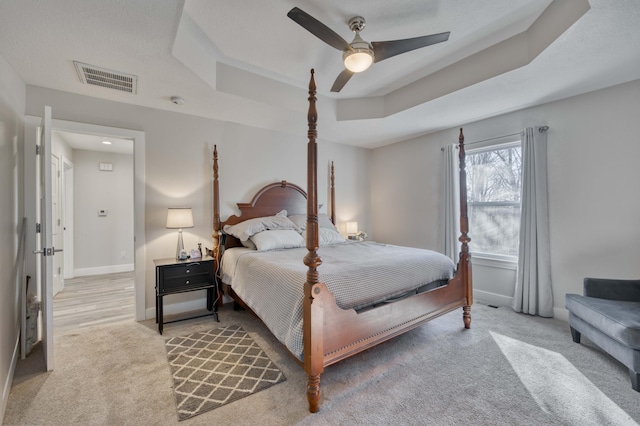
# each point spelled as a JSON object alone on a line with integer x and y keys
{"x": 329, "y": 237}
{"x": 277, "y": 239}
{"x": 300, "y": 221}
{"x": 323, "y": 221}
{"x": 244, "y": 230}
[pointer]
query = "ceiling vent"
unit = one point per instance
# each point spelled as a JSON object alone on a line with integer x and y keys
{"x": 110, "y": 79}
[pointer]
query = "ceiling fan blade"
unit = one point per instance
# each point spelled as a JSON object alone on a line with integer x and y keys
{"x": 318, "y": 29}
{"x": 342, "y": 79}
{"x": 387, "y": 49}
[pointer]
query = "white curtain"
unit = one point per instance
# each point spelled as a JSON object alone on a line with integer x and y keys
{"x": 533, "y": 294}
{"x": 451, "y": 202}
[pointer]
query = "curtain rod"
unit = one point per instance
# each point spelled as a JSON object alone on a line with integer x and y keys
{"x": 541, "y": 129}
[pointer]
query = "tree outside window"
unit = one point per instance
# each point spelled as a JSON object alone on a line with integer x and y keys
{"x": 494, "y": 181}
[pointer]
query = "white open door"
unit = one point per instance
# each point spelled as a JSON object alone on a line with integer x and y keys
{"x": 45, "y": 249}
{"x": 56, "y": 222}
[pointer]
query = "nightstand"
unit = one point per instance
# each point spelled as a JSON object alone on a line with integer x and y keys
{"x": 175, "y": 276}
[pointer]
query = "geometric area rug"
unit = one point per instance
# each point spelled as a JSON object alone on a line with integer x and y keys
{"x": 216, "y": 367}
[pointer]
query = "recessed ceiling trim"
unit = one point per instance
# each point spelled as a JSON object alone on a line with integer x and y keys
{"x": 103, "y": 77}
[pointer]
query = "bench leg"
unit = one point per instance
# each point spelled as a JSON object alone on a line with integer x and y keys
{"x": 635, "y": 380}
{"x": 575, "y": 335}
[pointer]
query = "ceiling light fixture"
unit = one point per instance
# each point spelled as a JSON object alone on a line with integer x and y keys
{"x": 360, "y": 55}
{"x": 358, "y": 59}
{"x": 106, "y": 143}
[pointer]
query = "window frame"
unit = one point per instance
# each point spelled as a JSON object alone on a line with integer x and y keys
{"x": 503, "y": 143}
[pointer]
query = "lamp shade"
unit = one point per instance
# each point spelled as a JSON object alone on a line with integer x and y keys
{"x": 178, "y": 218}
{"x": 352, "y": 228}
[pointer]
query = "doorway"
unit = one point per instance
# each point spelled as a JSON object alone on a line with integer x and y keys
{"x": 93, "y": 210}
{"x": 137, "y": 138}
{"x": 33, "y": 132}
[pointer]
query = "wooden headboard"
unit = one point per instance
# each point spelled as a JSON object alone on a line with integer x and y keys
{"x": 268, "y": 201}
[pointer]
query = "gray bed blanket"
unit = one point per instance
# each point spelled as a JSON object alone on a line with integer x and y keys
{"x": 359, "y": 274}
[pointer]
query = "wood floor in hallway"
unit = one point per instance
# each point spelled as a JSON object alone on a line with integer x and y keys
{"x": 94, "y": 300}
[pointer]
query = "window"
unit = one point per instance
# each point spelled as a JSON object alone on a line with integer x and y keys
{"x": 494, "y": 180}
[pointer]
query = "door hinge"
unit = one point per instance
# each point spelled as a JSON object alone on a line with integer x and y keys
{"x": 38, "y": 228}
{"x": 37, "y": 149}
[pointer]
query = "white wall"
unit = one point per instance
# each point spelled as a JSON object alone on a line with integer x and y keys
{"x": 100, "y": 241}
{"x": 12, "y": 105}
{"x": 178, "y": 158}
{"x": 593, "y": 152}
{"x": 60, "y": 147}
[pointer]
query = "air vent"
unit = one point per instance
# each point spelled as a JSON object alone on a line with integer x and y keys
{"x": 103, "y": 77}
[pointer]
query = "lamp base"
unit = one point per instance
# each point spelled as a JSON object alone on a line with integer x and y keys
{"x": 182, "y": 256}
{"x": 181, "y": 253}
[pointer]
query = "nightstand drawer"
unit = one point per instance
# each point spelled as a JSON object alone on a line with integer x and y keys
{"x": 185, "y": 282}
{"x": 187, "y": 269}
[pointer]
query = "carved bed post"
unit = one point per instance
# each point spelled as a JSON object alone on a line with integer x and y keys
{"x": 465, "y": 256}
{"x": 333, "y": 195}
{"x": 216, "y": 202}
{"x": 312, "y": 319}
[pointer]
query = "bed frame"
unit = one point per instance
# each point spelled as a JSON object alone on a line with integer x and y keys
{"x": 330, "y": 333}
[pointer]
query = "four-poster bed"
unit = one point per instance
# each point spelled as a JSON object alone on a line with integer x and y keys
{"x": 332, "y": 328}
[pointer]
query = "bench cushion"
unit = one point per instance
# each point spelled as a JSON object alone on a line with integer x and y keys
{"x": 615, "y": 318}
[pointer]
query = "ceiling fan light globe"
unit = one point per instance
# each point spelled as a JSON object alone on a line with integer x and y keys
{"x": 357, "y": 60}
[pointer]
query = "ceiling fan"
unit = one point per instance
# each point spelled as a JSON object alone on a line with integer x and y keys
{"x": 360, "y": 54}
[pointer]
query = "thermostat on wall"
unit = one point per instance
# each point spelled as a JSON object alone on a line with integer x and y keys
{"x": 102, "y": 212}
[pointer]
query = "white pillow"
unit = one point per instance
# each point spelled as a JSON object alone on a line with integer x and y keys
{"x": 329, "y": 237}
{"x": 244, "y": 230}
{"x": 277, "y": 239}
{"x": 323, "y": 221}
{"x": 249, "y": 244}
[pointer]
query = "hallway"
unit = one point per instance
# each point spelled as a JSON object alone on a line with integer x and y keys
{"x": 94, "y": 300}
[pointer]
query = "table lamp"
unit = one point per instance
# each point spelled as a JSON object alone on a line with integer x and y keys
{"x": 178, "y": 218}
{"x": 352, "y": 230}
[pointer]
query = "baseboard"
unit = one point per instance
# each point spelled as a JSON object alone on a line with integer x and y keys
{"x": 100, "y": 270}
{"x": 7, "y": 385}
{"x": 561, "y": 314}
{"x": 177, "y": 308}
{"x": 494, "y": 299}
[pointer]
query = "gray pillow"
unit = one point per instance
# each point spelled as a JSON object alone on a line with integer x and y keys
{"x": 245, "y": 230}
{"x": 277, "y": 239}
{"x": 323, "y": 221}
{"x": 330, "y": 237}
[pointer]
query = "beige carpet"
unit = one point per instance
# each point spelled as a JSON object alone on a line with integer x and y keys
{"x": 509, "y": 369}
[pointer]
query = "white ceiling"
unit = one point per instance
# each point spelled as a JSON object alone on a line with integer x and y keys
{"x": 245, "y": 61}
{"x": 97, "y": 143}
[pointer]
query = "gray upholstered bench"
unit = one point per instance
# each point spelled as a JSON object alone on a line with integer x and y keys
{"x": 609, "y": 315}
